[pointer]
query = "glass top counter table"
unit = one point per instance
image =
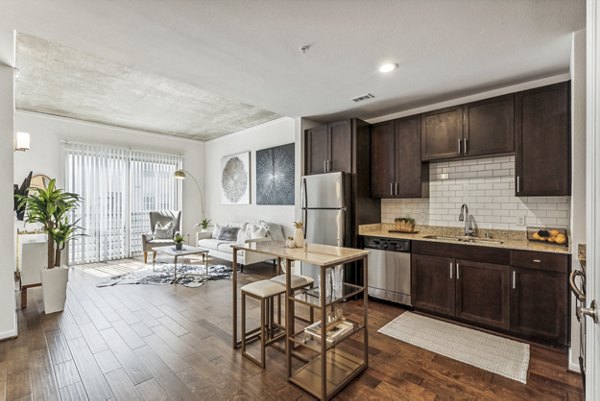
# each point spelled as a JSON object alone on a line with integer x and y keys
{"x": 326, "y": 366}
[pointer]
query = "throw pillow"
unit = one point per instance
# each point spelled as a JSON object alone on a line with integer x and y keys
{"x": 163, "y": 232}
{"x": 259, "y": 232}
{"x": 228, "y": 233}
{"x": 242, "y": 236}
{"x": 274, "y": 230}
{"x": 216, "y": 231}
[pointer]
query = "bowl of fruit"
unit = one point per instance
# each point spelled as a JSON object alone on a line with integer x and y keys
{"x": 555, "y": 236}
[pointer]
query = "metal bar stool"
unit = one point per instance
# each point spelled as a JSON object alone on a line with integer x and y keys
{"x": 298, "y": 281}
{"x": 264, "y": 291}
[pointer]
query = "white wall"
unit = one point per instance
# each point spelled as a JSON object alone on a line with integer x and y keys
{"x": 273, "y": 133}
{"x": 578, "y": 148}
{"x": 46, "y": 155}
{"x": 8, "y": 324}
{"x": 487, "y": 186}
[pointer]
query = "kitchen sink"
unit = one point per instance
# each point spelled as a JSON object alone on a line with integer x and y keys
{"x": 463, "y": 238}
{"x": 442, "y": 237}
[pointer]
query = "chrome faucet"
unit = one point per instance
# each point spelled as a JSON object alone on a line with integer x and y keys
{"x": 464, "y": 216}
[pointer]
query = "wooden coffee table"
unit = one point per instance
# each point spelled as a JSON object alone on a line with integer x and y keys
{"x": 185, "y": 251}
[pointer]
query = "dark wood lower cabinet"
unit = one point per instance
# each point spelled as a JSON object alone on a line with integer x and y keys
{"x": 433, "y": 283}
{"x": 482, "y": 293}
{"x": 522, "y": 293}
{"x": 540, "y": 304}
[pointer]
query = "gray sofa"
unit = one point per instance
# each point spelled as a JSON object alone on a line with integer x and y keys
{"x": 164, "y": 217}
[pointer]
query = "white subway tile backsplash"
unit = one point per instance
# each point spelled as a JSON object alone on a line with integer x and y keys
{"x": 487, "y": 187}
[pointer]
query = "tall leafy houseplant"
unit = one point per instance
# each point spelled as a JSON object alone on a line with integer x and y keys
{"x": 50, "y": 208}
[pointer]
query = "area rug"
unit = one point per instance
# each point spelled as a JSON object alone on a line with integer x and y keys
{"x": 495, "y": 354}
{"x": 188, "y": 275}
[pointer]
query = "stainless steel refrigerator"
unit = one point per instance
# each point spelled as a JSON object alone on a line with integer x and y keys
{"x": 326, "y": 203}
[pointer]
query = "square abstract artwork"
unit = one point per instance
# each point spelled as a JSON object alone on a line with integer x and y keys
{"x": 235, "y": 179}
{"x": 275, "y": 171}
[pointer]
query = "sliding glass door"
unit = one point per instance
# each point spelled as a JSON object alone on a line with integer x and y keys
{"x": 118, "y": 188}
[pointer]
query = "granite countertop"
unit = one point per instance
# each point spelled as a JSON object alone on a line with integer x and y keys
{"x": 510, "y": 239}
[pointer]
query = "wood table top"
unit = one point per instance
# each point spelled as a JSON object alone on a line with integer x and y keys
{"x": 316, "y": 254}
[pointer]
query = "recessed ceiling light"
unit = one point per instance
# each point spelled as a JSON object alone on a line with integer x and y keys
{"x": 387, "y": 67}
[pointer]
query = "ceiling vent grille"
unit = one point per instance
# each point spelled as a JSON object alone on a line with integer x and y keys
{"x": 362, "y": 98}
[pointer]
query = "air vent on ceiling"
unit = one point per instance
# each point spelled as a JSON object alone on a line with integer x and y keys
{"x": 362, "y": 98}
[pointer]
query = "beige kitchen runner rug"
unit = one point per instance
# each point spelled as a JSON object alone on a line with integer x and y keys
{"x": 486, "y": 351}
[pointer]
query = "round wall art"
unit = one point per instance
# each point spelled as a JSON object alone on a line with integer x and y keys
{"x": 235, "y": 179}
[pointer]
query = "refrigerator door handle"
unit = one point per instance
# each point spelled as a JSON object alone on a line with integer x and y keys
{"x": 305, "y": 206}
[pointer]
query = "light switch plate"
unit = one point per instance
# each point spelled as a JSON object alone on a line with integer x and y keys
{"x": 521, "y": 220}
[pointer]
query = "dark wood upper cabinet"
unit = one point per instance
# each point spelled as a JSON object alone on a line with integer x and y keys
{"x": 397, "y": 170}
{"x": 482, "y": 293}
{"x": 412, "y": 175}
{"x": 442, "y": 132}
{"x": 329, "y": 148}
{"x": 340, "y": 146}
{"x": 383, "y": 159}
{"x": 475, "y": 129}
{"x": 489, "y": 126}
{"x": 433, "y": 284}
{"x": 317, "y": 149}
{"x": 543, "y": 141}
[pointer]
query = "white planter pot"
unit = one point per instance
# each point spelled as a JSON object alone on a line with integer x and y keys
{"x": 54, "y": 288}
{"x": 299, "y": 238}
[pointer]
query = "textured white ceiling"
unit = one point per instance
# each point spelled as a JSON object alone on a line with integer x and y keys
{"x": 55, "y": 79}
{"x": 248, "y": 50}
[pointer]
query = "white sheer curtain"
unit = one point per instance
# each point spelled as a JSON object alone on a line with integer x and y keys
{"x": 118, "y": 187}
{"x": 152, "y": 188}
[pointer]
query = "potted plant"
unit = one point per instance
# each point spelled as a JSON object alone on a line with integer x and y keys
{"x": 299, "y": 234}
{"x": 51, "y": 207}
{"x": 178, "y": 241}
{"x": 204, "y": 223}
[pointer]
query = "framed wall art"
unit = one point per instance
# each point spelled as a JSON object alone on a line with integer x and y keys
{"x": 275, "y": 175}
{"x": 235, "y": 179}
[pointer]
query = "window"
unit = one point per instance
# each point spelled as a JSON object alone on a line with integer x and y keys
{"x": 118, "y": 188}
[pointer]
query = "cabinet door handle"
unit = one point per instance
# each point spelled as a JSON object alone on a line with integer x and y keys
{"x": 392, "y": 188}
{"x": 518, "y": 184}
{"x": 537, "y": 261}
{"x": 466, "y": 149}
{"x": 451, "y": 269}
{"x": 397, "y": 189}
{"x": 459, "y": 146}
{"x": 324, "y": 166}
{"x": 457, "y": 271}
{"x": 514, "y": 280}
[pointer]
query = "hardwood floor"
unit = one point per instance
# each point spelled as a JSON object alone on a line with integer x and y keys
{"x": 169, "y": 342}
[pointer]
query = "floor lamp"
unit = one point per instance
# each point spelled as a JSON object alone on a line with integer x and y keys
{"x": 181, "y": 175}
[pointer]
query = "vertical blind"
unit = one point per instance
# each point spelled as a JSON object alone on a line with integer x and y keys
{"x": 118, "y": 188}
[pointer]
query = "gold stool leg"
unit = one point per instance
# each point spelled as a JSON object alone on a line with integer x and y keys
{"x": 262, "y": 333}
{"x": 243, "y": 322}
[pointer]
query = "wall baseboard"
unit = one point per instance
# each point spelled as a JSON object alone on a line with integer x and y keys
{"x": 574, "y": 367}
{"x": 7, "y": 335}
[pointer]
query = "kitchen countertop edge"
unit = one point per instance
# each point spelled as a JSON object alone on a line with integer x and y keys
{"x": 506, "y": 244}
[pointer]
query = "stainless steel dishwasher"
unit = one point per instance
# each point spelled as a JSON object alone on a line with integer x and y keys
{"x": 389, "y": 269}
